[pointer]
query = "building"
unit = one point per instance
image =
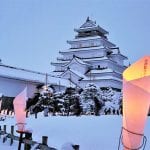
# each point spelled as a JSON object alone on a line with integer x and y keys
{"x": 13, "y": 80}
{"x": 91, "y": 58}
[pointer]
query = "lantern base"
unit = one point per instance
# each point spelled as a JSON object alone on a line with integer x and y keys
{"x": 138, "y": 134}
{"x": 23, "y": 131}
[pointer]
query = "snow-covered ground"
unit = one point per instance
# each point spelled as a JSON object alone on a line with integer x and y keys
{"x": 90, "y": 132}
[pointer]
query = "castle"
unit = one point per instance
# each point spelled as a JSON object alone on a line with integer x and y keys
{"x": 91, "y": 58}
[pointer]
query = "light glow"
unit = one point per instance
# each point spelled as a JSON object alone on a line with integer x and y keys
{"x": 136, "y": 101}
{"x": 19, "y": 108}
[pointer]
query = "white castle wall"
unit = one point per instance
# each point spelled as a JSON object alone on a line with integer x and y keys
{"x": 103, "y": 83}
{"x": 12, "y": 87}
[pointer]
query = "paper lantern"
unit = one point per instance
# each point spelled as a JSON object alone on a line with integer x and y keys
{"x": 19, "y": 108}
{"x": 136, "y": 102}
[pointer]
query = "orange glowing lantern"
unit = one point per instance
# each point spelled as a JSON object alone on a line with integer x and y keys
{"x": 136, "y": 102}
{"x": 19, "y": 107}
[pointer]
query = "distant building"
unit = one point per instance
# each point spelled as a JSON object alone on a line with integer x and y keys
{"x": 91, "y": 58}
{"x": 13, "y": 80}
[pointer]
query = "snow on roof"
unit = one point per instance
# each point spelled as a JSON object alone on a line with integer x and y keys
{"x": 92, "y": 38}
{"x": 91, "y": 25}
{"x": 21, "y": 74}
{"x": 77, "y": 60}
{"x": 81, "y": 61}
{"x": 103, "y": 78}
{"x": 56, "y": 73}
{"x": 108, "y": 77}
{"x": 86, "y": 38}
{"x": 88, "y": 23}
{"x": 58, "y": 81}
{"x": 83, "y": 49}
{"x": 78, "y": 73}
{"x": 102, "y": 70}
{"x": 95, "y": 58}
{"x": 71, "y": 71}
{"x": 120, "y": 55}
{"x": 33, "y": 76}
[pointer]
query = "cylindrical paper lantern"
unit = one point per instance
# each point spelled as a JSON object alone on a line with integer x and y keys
{"x": 136, "y": 102}
{"x": 19, "y": 108}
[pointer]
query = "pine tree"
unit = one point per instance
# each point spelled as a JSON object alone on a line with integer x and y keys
{"x": 72, "y": 103}
{"x": 91, "y": 99}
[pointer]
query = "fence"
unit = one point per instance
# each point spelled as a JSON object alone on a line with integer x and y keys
{"x": 29, "y": 144}
{"x": 27, "y": 140}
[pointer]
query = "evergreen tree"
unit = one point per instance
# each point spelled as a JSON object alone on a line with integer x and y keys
{"x": 72, "y": 102}
{"x": 91, "y": 99}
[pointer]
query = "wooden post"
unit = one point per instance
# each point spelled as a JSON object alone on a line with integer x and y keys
{"x": 44, "y": 140}
{"x": 27, "y": 113}
{"x": 35, "y": 115}
{"x": 28, "y": 136}
{"x": 76, "y": 147}
{"x": 12, "y": 133}
{"x": 5, "y": 128}
{"x": 4, "y": 139}
{"x": 0, "y": 130}
{"x": 20, "y": 140}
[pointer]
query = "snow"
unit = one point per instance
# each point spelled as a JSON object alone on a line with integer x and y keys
{"x": 23, "y": 74}
{"x": 56, "y": 73}
{"x": 102, "y": 70}
{"x": 90, "y": 132}
{"x": 87, "y": 38}
{"x": 75, "y": 60}
{"x": 104, "y": 78}
{"x": 93, "y": 59}
{"x": 58, "y": 81}
{"x": 13, "y": 72}
{"x": 81, "y": 62}
{"x": 78, "y": 73}
{"x": 108, "y": 77}
{"x": 86, "y": 49}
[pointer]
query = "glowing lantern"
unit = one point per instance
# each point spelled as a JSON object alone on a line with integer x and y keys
{"x": 19, "y": 107}
{"x": 136, "y": 102}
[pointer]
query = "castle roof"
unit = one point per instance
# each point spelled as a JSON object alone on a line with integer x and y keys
{"x": 91, "y": 25}
{"x": 77, "y": 60}
{"x": 71, "y": 71}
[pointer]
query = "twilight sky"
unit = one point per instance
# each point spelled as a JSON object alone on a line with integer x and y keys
{"x": 32, "y": 32}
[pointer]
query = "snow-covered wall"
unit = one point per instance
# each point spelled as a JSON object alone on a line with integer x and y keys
{"x": 103, "y": 83}
{"x": 12, "y": 87}
{"x": 85, "y": 53}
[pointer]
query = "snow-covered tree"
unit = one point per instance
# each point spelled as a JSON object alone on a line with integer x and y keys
{"x": 112, "y": 100}
{"x": 91, "y": 99}
{"x": 72, "y": 102}
{"x": 107, "y": 94}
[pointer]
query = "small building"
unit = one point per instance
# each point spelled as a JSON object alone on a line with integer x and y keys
{"x": 91, "y": 58}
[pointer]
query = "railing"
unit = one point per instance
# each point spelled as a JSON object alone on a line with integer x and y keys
{"x": 29, "y": 144}
{"x": 27, "y": 140}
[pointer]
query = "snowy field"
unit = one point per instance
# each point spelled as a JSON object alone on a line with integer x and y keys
{"x": 90, "y": 132}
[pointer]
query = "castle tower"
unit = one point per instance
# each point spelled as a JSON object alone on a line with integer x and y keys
{"x": 91, "y": 58}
